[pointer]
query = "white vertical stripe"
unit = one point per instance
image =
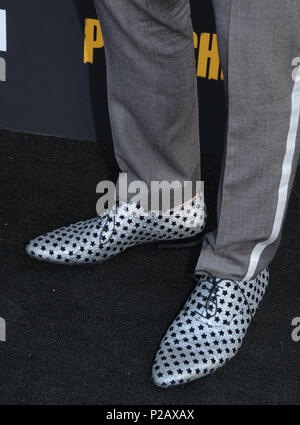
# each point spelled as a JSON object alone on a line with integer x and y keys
{"x": 284, "y": 183}
{"x": 3, "y": 42}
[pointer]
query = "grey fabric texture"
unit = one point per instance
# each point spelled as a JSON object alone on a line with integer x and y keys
{"x": 154, "y": 113}
{"x": 264, "y": 37}
{"x": 152, "y": 88}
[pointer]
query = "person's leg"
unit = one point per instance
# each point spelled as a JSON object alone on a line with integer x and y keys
{"x": 152, "y": 88}
{"x": 153, "y": 105}
{"x": 262, "y": 152}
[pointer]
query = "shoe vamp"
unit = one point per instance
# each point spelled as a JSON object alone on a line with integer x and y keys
{"x": 76, "y": 238}
{"x": 193, "y": 347}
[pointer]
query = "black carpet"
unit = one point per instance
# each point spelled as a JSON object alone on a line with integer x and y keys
{"x": 87, "y": 335}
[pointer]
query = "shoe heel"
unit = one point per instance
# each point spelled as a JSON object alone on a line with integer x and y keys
{"x": 181, "y": 243}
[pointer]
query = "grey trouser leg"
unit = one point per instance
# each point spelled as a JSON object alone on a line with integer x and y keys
{"x": 263, "y": 149}
{"x": 152, "y": 88}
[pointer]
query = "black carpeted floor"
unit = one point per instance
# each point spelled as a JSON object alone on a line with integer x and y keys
{"x": 88, "y": 335}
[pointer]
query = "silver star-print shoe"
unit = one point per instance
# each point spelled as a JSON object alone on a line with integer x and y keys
{"x": 209, "y": 330}
{"x": 100, "y": 238}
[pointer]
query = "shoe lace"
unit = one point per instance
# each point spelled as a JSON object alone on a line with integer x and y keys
{"x": 213, "y": 284}
{"x": 109, "y": 216}
{"x": 104, "y": 222}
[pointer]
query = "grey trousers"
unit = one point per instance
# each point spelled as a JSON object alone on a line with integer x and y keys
{"x": 153, "y": 105}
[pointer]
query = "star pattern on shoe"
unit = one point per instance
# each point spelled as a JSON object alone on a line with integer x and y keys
{"x": 100, "y": 238}
{"x": 209, "y": 330}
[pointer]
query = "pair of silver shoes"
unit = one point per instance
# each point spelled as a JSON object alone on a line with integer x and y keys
{"x": 209, "y": 330}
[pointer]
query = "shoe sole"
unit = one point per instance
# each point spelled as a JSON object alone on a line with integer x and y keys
{"x": 172, "y": 244}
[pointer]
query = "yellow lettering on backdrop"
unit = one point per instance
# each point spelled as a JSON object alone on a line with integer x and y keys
{"x": 93, "y": 39}
{"x": 195, "y": 40}
{"x": 208, "y": 49}
{"x": 207, "y": 45}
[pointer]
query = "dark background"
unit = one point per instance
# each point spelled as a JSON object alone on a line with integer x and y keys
{"x": 88, "y": 334}
{"x": 49, "y": 90}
